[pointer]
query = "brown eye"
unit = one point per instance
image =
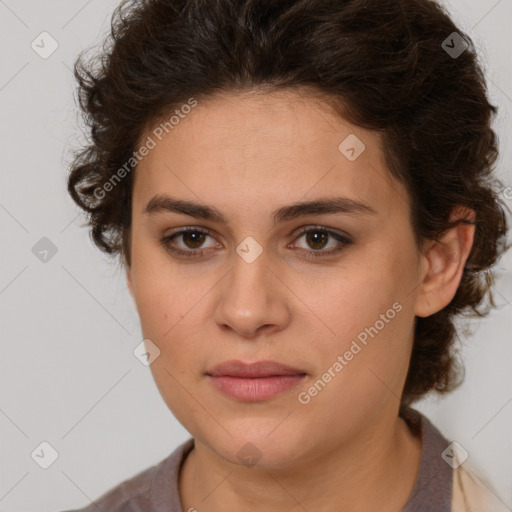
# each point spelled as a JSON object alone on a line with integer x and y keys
{"x": 193, "y": 239}
{"x": 318, "y": 238}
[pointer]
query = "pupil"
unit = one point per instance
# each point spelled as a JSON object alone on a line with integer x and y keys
{"x": 314, "y": 238}
{"x": 194, "y": 235}
{"x": 317, "y": 239}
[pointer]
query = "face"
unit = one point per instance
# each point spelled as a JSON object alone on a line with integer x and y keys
{"x": 329, "y": 290}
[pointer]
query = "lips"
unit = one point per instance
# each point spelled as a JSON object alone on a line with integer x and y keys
{"x": 254, "y": 382}
{"x": 255, "y": 370}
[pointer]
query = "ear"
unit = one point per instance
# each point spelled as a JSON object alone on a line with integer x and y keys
{"x": 442, "y": 263}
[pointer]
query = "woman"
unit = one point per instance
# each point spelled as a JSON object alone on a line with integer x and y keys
{"x": 301, "y": 193}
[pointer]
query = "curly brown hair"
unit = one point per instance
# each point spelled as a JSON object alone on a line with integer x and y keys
{"x": 385, "y": 65}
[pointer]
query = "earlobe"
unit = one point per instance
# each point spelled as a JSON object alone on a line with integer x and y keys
{"x": 443, "y": 264}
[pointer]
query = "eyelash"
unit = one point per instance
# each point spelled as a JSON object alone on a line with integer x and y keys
{"x": 312, "y": 254}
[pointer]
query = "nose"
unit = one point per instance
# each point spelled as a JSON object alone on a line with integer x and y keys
{"x": 253, "y": 298}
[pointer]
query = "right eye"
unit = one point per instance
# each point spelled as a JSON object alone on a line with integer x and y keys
{"x": 192, "y": 238}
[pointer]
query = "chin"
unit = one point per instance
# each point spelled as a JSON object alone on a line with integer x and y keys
{"x": 263, "y": 446}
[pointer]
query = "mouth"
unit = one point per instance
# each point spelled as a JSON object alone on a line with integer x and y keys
{"x": 254, "y": 382}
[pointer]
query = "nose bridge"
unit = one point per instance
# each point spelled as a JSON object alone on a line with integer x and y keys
{"x": 249, "y": 274}
{"x": 251, "y": 296}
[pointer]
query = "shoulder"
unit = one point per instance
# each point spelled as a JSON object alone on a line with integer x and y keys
{"x": 446, "y": 480}
{"x": 472, "y": 492}
{"x": 154, "y": 488}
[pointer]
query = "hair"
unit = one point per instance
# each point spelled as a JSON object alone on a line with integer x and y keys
{"x": 383, "y": 64}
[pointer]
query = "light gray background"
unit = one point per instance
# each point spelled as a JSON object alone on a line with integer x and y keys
{"x": 68, "y": 326}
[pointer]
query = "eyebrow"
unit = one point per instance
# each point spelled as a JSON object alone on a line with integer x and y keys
{"x": 163, "y": 203}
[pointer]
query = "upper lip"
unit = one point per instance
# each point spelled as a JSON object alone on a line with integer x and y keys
{"x": 235, "y": 368}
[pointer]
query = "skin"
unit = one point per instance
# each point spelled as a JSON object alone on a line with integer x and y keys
{"x": 248, "y": 155}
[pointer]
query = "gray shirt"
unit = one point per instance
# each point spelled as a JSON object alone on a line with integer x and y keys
{"x": 156, "y": 489}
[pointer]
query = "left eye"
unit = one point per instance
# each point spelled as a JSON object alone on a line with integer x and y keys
{"x": 317, "y": 238}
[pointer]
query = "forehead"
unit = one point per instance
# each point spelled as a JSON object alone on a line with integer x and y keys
{"x": 265, "y": 149}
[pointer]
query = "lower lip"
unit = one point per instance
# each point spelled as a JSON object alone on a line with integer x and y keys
{"x": 255, "y": 389}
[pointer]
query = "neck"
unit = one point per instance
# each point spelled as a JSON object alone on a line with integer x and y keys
{"x": 376, "y": 471}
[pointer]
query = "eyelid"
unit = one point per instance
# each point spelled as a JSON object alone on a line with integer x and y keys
{"x": 180, "y": 231}
{"x": 342, "y": 238}
{"x": 312, "y": 227}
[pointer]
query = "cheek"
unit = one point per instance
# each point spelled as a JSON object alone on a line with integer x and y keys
{"x": 364, "y": 317}
{"x": 349, "y": 298}
{"x": 171, "y": 312}
{"x": 156, "y": 306}
{"x": 357, "y": 378}
{"x": 161, "y": 293}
